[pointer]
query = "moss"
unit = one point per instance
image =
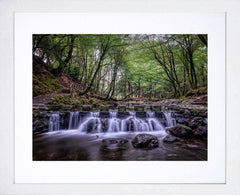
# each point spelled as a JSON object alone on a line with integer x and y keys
{"x": 147, "y": 109}
{"x": 130, "y": 108}
{"x": 184, "y": 99}
{"x": 44, "y": 85}
{"x": 87, "y": 108}
{"x": 121, "y": 108}
{"x": 194, "y": 111}
{"x": 104, "y": 108}
{"x": 185, "y": 127}
{"x": 196, "y": 92}
{"x": 203, "y": 113}
{"x": 139, "y": 108}
{"x": 94, "y": 101}
{"x": 202, "y": 90}
{"x": 60, "y": 100}
{"x": 156, "y": 108}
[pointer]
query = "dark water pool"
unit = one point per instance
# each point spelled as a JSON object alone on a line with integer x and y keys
{"x": 72, "y": 145}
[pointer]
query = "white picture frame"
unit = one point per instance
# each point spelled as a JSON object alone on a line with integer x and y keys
{"x": 7, "y": 183}
{"x": 210, "y": 171}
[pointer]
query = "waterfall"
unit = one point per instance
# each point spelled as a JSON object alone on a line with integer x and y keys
{"x": 114, "y": 124}
{"x": 54, "y": 122}
{"x": 169, "y": 119}
{"x": 70, "y": 120}
{"x": 153, "y": 122}
{"x": 91, "y": 123}
{"x": 73, "y": 120}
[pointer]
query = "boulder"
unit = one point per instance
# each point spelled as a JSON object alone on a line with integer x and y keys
{"x": 40, "y": 122}
{"x": 170, "y": 139}
{"x": 181, "y": 131}
{"x": 201, "y": 132}
{"x": 115, "y": 143}
{"x": 196, "y": 122}
{"x": 205, "y": 121}
{"x": 183, "y": 121}
{"x": 146, "y": 141}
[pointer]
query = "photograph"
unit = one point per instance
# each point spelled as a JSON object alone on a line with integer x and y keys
{"x": 119, "y": 97}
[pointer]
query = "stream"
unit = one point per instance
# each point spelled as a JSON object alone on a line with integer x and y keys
{"x": 79, "y": 136}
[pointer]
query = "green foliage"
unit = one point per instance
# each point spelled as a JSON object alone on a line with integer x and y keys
{"x": 124, "y": 66}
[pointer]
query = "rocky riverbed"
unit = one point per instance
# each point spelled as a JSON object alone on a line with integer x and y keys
{"x": 74, "y": 145}
{"x": 184, "y": 138}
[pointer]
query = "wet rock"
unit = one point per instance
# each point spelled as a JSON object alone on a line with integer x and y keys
{"x": 196, "y": 122}
{"x": 104, "y": 108}
{"x": 159, "y": 115}
{"x": 121, "y": 108}
{"x": 83, "y": 114}
{"x": 181, "y": 131}
{"x": 182, "y": 121}
{"x": 141, "y": 114}
{"x": 187, "y": 113}
{"x": 122, "y": 114}
{"x": 205, "y": 121}
{"x": 87, "y": 108}
{"x": 139, "y": 108}
{"x": 114, "y": 143}
{"x": 90, "y": 126}
{"x": 192, "y": 146}
{"x": 170, "y": 139}
{"x": 170, "y": 155}
{"x": 172, "y": 106}
{"x": 201, "y": 132}
{"x": 64, "y": 122}
{"x": 130, "y": 108}
{"x": 130, "y": 125}
{"x": 104, "y": 114}
{"x": 104, "y": 125}
{"x": 156, "y": 108}
{"x": 40, "y": 122}
{"x": 145, "y": 141}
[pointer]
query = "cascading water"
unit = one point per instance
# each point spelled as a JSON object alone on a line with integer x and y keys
{"x": 92, "y": 123}
{"x": 153, "y": 122}
{"x": 133, "y": 123}
{"x": 139, "y": 124}
{"x": 54, "y": 123}
{"x": 73, "y": 120}
{"x": 169, "y": 119}
{"x": 114, "y": 124}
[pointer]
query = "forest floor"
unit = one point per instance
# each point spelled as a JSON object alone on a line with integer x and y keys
{"x": 44, "y": 99}
{"x": 51, "y": 90}
{"x": 198, "y": 102}
{"x": 193, "y": 102}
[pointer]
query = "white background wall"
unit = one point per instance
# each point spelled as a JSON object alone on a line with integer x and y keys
{"x": 7, "y": 8}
